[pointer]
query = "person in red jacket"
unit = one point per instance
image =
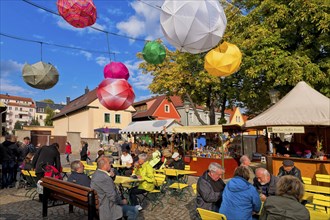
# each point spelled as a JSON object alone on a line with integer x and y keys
{"x": 68, "y": 151}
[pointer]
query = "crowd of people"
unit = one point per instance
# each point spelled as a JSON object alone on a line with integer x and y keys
{"x": 240, "y": 198}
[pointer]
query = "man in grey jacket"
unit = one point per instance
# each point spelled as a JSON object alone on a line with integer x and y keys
{"x": 265, "y": 183}
{"x": 112, "y": 206}
{"x": 210, "y": 187}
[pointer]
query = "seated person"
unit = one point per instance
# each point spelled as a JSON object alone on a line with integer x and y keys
{"x": 284, "y": 149}
{"x": 177, "y": 162}
{"x": 307, "y": 154}
{"x": 265, "y": 183}
{"x": 167, "y": 158}
{"x": 286, "y": 205}
{"x": 126, "y": 159}
{"x": 288, "y": 168}
{"x": 155, "y": 158}
{"x": 245, "y": 161}
{"x": 111, "y": 204}
{"x": 77, "y": 174}
{"x": 144, "y": 171}
{"x": 210, "y": 187}
{"x": 27, "y": 163}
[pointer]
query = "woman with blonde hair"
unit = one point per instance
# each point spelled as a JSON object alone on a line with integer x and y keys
{"x": 286, "y": 204}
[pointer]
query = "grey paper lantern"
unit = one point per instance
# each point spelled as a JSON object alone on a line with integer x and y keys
{"x": 40, "y": 75}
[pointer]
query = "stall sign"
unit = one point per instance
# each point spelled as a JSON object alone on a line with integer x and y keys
{"x": 286, "y": 129}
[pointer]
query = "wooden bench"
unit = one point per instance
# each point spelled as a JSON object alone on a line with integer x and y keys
{"x": 70, "y": 193}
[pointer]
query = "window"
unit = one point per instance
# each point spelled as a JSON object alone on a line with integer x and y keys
{"x": 238, "y": 119}
{"x": 31, "y": 109}
{"x": 9, "y": 108}
{"x": 107, "y": 117}
{"x": 117, "y": 119}
{"x": 40, "y": 117}
{"x": 21, "y": 109}
{"x": 167, "y": 108}
{"x": 16, "y": 108}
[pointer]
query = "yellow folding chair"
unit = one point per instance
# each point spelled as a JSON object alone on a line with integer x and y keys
{"x": 307, "y": 180}
{"x": 209, "y": 215}
{"x": 31, "y": 179}
{"x": 155, "y": 196}
{"x": 194, "y": 187}
{"x": 322, "y": 178}
{"x": 176, "y": 187}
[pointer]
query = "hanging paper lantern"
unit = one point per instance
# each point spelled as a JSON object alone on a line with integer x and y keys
{"x": 193, "y": 26}
{"x": 115, "y": 94}
{"x": 78, "y": 13}
{"x": 223, "y": 60}
{"x": 154, "y": 52}
{"x": 116, "y": 70}
{"x": 40, "y": 75}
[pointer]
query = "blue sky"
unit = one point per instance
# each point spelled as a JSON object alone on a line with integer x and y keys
{"x": 77, "y": 68}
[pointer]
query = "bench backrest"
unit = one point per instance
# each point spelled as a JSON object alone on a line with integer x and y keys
{"x": 307, "y": 180}
{"x": 69, "y": 192}
{"x": 317, "y": 189}
{"x": 324, "y": 178}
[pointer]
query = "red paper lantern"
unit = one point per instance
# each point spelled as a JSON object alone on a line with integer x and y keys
{"x": 116, "y": 70}
{"x": 115, "y": 94}
{"x": 78, "y": 13}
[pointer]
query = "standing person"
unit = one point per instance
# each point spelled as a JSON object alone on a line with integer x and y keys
{"x": 77, "y": 174}
{"x": 30, "y": 148}
{"x": 111, "y": 205}
{"x": 84, "y": 151}
{"x": 144, "y": 171}
{"x": 210, "y": 187}
{"x": 8, "y": 157}
{"x": 47, "y": 155}
{"x": 68, "y": 151}
{"x": 240, "y": 200}
{"x": 288, "y": 168}
{"x": 265, "y": 183}
{"x": 245, "y": 161}
{"x": 286, "y": 204}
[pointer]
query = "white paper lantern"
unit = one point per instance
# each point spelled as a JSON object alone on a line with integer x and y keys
{"x": 193, "y": 26}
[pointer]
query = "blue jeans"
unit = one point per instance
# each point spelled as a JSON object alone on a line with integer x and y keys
{"x": 8, "y": 172}
{"x": 130, "y": 211}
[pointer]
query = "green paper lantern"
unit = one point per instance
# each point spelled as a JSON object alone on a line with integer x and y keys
{"x": 154, "y": 52}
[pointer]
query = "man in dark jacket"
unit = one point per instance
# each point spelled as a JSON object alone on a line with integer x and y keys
{"x": 288, "y": 168}
{"x": 46, "y": 155}
{"x": 265, "y": 183}
{"x": 177, "y": 162}
{"x": 8, "y": 157}
{"x": 210, "y": 187}
{"x": 77, "y": 174}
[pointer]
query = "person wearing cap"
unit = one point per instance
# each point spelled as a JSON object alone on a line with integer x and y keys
{"x": 177, "y": 162}
{"x": 210, "y": 187}
{"x": 288, "y": 168}
{"x": 167, "y": 158}
{"x": 265, "y": 183}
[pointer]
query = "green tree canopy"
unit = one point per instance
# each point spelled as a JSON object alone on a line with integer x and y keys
{"x": 50, "y": 114}
{"x": 48, "y": 101}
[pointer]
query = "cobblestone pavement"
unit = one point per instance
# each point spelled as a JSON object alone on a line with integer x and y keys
{"x": 14, "y": 205}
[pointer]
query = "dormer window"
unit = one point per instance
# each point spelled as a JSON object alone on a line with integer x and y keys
{"x": 167, "y": 108}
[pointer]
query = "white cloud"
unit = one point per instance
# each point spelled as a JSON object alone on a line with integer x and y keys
{"x": 88, "y": 55}
{"x": 115, "y": 11}
{"x": 139, "y": 81}
{"x": 38, "y": 36}
{"x": 102, "y": 60}
{"x": 140, "y": 98}
{"x": 10, "y": 66}
{"x": 145, "y": 22}
{"x": 65, "y": 25}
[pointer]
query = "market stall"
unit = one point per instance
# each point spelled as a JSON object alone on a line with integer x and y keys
{"x": 305, "y": 113}
{"x": 200, "y": 160}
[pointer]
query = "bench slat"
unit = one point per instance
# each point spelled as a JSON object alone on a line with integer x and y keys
{"x": 66, "y": 192}
{"x": 82, "y": 190}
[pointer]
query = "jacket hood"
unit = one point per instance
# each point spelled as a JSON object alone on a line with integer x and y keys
{"x": 238, "y": 184}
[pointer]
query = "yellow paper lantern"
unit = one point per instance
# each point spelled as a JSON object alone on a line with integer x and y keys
{"x": 223, "y": 60}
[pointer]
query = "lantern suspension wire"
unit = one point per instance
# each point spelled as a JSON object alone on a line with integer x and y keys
{"x": 95, "y": 28}
{"x": 108, "y": 43}
{"x": 57, "y": 45}
{"x": 41, "y": 51}
{"x": 153, "y": 6}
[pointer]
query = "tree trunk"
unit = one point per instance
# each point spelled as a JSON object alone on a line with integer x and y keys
{"x": 195, "y": 110}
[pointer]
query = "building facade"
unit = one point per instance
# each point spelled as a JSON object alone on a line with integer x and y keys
{"x": 41, "y": 111}
{"x": 19, "y": 108}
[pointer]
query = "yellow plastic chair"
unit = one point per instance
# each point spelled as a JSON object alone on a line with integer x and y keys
{"x": 155, "y": 196}
{"x": 209, "y": 215}
{"x": 30, "y": 177}
{"x": 307, "y": 180}
{"x": 176, "y": 186}
{"x": 322, "y": 178}
{"x": 316, "y": 215}
{"x": 320, "y": 203}
{"x": 187, "y": 167}
{"x": 84, "y": 162}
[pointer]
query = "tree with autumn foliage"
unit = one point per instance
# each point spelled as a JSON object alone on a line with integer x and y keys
{"x": 283, "y": 42}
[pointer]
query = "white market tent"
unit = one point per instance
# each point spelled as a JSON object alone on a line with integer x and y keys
{"x": 200, "y": 128}
{"x": 301, "y": 106}
{"x": 153, "y": 127}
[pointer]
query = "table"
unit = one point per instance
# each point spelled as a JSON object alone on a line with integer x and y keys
{"x": 120, "y": 180}
{"x": 179, "y": 172}
{"x": 118, "y": 165}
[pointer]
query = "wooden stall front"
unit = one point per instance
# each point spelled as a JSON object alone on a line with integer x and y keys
{"x": 201, "y": 164}
{"x": 308, "y": 167}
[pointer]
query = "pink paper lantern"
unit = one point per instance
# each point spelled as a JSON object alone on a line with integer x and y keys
{"x": 116, "y": 70}
{"x": 115, "y": 94}
{"x": 78, "y": 13}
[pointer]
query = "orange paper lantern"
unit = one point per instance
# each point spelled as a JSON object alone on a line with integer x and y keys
{"x": 223, "y": 60}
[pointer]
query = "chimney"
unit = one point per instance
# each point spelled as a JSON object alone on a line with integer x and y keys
{"x": 86, "y": 90}
{"x": 67, "y": 100}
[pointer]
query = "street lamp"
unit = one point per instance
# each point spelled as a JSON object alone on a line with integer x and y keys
{"x": 186, "y": 109}
{"x": 274, "y": 95}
